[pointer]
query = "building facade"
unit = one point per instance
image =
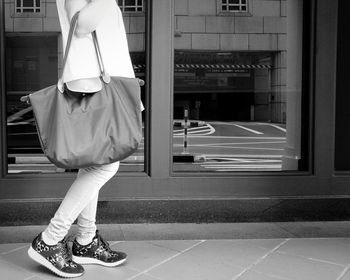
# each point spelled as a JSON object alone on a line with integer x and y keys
{"x": 252, "y": 82}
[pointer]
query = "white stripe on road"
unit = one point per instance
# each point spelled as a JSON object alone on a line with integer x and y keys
{"x": 228, "y": 147}
{"x": 248, "y": 129}
{"x": 235, "y": 137}
{"x": 276, "y": 166}
{"x": 191, "y": 128}
{"x": 278, "y": 127}
{"x": 242, "y": 155}
{"x": 230, "y": 161}
{"x": 206, "y": 130}
{"x": 200, "y": 132}
{"x": 239, "y": 143}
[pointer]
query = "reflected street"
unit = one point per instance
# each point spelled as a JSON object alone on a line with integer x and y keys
{"x": 232, "y": 146}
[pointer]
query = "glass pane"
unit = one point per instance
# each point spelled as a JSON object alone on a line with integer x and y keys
{"x": 342, "y": 135}
{"x": 129, "y": 2}
{"x": 32, "y": 63}
{"x": 28, "y": 3}
{"x": 235, "y": 107}
{"x": 27, "y": 10}
{"x": 234, "y": 8}
{"x": 136, "y": 28}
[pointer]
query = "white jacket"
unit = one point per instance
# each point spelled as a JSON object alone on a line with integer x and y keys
{"x": 82, "y": 61}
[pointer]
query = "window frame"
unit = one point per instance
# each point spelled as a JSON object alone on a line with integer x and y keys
{"x": 158, "y": 182}
{"x": 41, "y": 12}
{"x": 220, "y": 5}
{"x": 135, "y": 12}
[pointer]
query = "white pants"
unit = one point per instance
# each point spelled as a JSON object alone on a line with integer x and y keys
{"x": 80, "y": 202}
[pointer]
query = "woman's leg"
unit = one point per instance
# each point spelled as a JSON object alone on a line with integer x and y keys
{"x": 87, "y": 222}
{"x": 83, "y": 191}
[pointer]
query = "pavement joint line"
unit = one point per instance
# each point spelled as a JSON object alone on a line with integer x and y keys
{"x": 310, "y": 259}
{"x": 275, "y": 277}
{"x": 153, "y": 277}
{"x": 166, "y": 260}
{"x": 32, "y": 276}
{"x": 249, "y": 267}
{"x": 346, "y": 269}
{"x": 18, "y": 267}
{"x": 116, "y": 242}
{"x": 161, "y": 246}
{"x": 14, "y": 250}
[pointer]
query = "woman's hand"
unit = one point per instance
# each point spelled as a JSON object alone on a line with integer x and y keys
{"x": 91, "y": 13}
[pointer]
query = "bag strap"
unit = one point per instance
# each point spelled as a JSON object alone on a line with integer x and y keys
{"x": 105, "y": 77}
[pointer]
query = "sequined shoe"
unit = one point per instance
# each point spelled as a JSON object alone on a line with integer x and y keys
{"x": 56, "y": 258}
{"x": 97, "y": 252}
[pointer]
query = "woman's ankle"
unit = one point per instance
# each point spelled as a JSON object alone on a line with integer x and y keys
{"x": 47, "y": 239}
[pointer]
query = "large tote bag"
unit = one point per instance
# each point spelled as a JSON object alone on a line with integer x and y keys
{"x": 82, "y": 130}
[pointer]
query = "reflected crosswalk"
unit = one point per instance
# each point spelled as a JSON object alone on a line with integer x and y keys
{"x": 231, "y": 163}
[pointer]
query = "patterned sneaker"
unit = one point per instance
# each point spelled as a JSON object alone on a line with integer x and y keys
{"x": 56, "y": 258}
{"x": 97, "y": 252}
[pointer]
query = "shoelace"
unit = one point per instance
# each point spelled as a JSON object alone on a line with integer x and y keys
{"x": 66, "y": 254}
{"x": 104, "y": 243}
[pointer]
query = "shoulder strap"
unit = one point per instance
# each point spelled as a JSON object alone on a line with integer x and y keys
{"x": 72, "y": 28}
{"x": 105, "y": 77}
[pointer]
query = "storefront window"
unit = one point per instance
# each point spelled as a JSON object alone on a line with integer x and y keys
{"x": 237, "y": 87}
{"x": 33, "y": 61}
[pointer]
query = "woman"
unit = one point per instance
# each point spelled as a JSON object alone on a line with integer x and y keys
{"x": 82, "y": 74}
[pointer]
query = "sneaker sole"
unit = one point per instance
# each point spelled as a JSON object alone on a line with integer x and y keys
{"x": 34, "y": 255}
{"x": 85, "y": 260}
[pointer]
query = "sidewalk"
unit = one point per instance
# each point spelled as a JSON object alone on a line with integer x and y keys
{"x": 309, "y": 250}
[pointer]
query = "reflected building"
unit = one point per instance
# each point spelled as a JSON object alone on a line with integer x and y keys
{"x": 230, "y": 60}
{"x": 235, "y": 55}
{"x": 228, "y": 54}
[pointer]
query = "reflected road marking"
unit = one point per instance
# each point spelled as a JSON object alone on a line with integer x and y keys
{"x": 248, "y": 129}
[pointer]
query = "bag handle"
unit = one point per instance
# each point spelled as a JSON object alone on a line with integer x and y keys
{"x": 105, "y": 77}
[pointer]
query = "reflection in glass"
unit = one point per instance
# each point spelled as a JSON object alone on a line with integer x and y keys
{"x": 235, "y": 109}
{"x": 33, "y": 61}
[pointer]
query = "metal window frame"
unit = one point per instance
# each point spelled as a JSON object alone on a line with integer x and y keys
{"x": 240, "y": 5}
{"x": 123, "y": 7}
{"x": 158, "y": 182}
{"x": 21, "y": 9}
